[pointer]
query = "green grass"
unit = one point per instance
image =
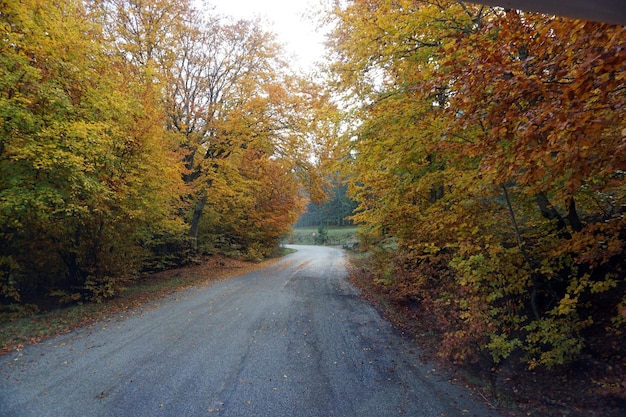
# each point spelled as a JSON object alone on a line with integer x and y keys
{"x": 337, "y": 236}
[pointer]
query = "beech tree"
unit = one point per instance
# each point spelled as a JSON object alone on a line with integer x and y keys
{"x": 128, "y": 126}
{"x": 86, "y": 173}
{"x": 220, "y": 73}
{"x": 226, "y": 91}
{"x": 487, "y": 155}
{"x": 262, "y": 179}
{"x": 548, "y": 128}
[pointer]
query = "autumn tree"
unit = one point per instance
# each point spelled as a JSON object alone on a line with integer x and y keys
{"x": 232, "y": 94}
{"x": 487, "y": 155}
{"x": 144, "y": 33}
{"x": 221, "y": 72}
{"x": 226, "y": 91}
{"x": 87, "y": 175}
{"x": 546, "y": 112}
{"x": 262, "y": 180}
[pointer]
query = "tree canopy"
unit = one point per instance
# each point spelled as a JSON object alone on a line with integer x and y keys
{"x": 488, "y": 146}
{"x": 483, "y": 148}
{"x": 135, "y": 134}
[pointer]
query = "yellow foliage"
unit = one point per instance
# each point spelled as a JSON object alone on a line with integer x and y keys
{"x": 497, "y": 138}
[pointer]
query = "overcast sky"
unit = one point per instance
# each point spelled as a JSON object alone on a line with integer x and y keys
{"x": 293, "y": 29}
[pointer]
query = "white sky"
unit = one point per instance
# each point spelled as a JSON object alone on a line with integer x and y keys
{"x": 294, "y": 30}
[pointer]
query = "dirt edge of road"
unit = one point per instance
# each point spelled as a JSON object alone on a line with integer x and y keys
{"x": 591, "y": 389}
{"x": 137, "y": 296}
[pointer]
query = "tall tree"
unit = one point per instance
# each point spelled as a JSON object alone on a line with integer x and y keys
{"x": 488, "y": 145}
{"x": 225, "y": 89}
{"x": 546, "y": 111}
{"x": 225, "y": 70}
{"x": 81, "y": 151}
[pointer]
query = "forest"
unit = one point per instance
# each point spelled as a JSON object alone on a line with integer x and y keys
{"x": 335, "y": 210}
{"x": 481, "y": 151}
{"x": 136, "y": 135}
{"x": 487, "y": 154}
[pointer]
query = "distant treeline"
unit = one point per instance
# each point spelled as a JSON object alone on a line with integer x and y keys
{"x": 334, "y": 212}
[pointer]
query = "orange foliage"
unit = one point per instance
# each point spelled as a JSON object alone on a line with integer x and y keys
{"x": 487, "y": 157}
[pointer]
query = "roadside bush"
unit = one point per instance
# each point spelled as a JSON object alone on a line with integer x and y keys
{"x": 321, "y": 238}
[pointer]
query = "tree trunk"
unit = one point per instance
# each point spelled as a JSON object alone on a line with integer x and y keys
{"x": 572, "y": 216}
{"x": 531, "y": 263}
{"x": 548, "y": 211}
{"x": 195, "y": 219}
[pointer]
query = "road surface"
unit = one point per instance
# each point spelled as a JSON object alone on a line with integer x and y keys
{"x": 292, "y": 339}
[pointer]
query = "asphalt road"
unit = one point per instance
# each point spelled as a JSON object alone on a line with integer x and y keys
{"x": 292, "y": 339}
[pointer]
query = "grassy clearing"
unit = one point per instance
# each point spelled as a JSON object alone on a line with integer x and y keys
{"x": 336, "y": 235}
